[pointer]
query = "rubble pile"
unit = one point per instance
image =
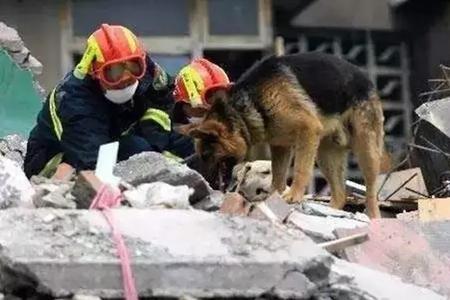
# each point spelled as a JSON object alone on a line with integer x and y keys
{"x": 11, "y": 42}
{"x": 184, "y": 240}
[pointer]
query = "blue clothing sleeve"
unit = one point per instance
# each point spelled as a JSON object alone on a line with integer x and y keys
{"x": 85, "y": 124}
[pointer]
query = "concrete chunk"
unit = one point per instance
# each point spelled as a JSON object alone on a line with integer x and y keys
{"x": 174, "y": 253}
{"x": 159, "y": 194}
{"x": 15, "y": 189}
{"x": 152, "y": 166}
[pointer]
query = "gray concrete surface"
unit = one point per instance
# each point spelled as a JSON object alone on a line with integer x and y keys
{"x": 175, "y": 253}
{"x": 152, "y": 166}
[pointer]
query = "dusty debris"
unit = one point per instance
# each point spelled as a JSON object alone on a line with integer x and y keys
{"x": 15, "y": 189}
{"x": 200, "y": 254}
{"x": 417, "y": 252}
{"x": 277, "y": 206}
{"x": 152, "y": 166}
{"x": 13, "y": 147}
{"x": 159, "y": 194}
{"x": 13, "y": 44}
{"x": 53, "y": 193}
{"x": 320, "y": 222}
{"x": 85, "y": 297}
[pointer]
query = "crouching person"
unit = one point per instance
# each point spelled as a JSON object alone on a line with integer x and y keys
{"x": 115, "y": 93}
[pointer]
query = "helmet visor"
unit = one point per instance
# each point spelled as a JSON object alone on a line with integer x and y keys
{"x": 113, "y": 73}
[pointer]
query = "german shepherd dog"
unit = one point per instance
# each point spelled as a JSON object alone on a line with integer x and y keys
{"x": 313, "y": 104}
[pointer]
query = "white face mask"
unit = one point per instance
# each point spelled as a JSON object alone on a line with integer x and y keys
{"x": 123, "y": 95}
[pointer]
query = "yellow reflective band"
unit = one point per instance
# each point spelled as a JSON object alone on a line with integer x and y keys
{"x": 159, "y": 116}
{"x": 172, "y": 157}
{"x": 193, "y": 84}
{"x": 91, "y": 53}
{"x": 131, "y": 39}
{"x": 51, "y": 166}
{"x": 57, "y": 127}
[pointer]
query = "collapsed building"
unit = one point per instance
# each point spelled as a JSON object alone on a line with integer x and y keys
{"x": 186, "y": 240}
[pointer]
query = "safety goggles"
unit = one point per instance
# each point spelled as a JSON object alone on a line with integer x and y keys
{"x": 113, "y": 73}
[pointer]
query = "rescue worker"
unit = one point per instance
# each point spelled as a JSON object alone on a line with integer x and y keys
{"x": 193, "y": 84}
{"x": 115, "y": 93}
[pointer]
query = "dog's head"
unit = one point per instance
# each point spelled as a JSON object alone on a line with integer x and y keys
{"x": 218, "y": 137}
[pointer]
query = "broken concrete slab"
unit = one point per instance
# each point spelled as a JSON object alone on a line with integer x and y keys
{"x": 152, "y": 166}
{"x": 159, "y": 194}
{"x": 320, "y": 222}
{"x": 176, "y": 253}
{"x": 367, "y": 283}
{"x": 419, "y": 253}
{"x": 277, "y": 205}
{"x": 15, "y": 189}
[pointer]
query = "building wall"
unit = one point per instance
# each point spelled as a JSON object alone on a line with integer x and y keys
{"x": 39, "y": 25}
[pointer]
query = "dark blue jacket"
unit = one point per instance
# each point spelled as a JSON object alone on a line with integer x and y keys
{"x": 77, "y": 118}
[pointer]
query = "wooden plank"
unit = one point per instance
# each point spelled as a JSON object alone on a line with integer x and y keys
{"x": 436, "y": 209}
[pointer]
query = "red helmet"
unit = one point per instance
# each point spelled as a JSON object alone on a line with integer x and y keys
{"x": 196, "y": 80}
{"x": 111, "y": 50}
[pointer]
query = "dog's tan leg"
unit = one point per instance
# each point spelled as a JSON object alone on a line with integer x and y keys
{"x": 281, "y": 156}
{"x": 332, "y": 161}
{"x": 306, "y": 147}
{"x": 367, "y": 144}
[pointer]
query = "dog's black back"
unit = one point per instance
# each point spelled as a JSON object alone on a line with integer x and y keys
{"x": 333, "y": 84}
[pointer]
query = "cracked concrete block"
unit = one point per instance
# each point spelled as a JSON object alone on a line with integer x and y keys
{"x": 175, "y": 253}
{"x": 322, "y": 228}
{"x": 364, "y": 282}
{"x": 152, "y": 166}
{"x": 159, "y": 194}
{"x": 277, "y": 205}
{"x": 317, "y": 209}
{"x": 15, "y": 189}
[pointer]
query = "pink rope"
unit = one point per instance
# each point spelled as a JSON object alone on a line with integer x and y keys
{"x": 105, "y": 199}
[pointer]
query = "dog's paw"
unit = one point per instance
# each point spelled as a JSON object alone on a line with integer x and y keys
{"x": 290, "y": 196}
